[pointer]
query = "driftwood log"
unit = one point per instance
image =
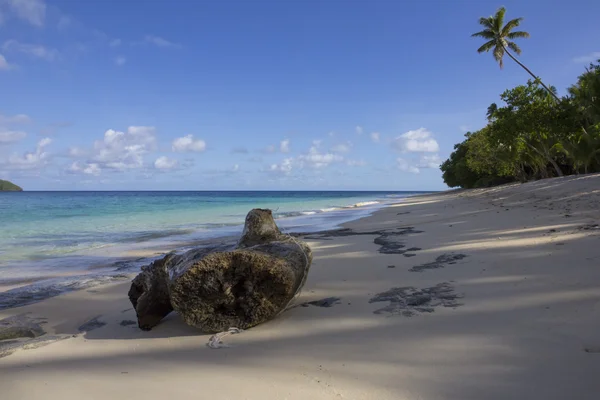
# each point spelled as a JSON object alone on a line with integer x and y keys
{"x": 217, "y": 288}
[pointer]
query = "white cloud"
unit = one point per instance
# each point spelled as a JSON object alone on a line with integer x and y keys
{"x": 342, "y": 148}
{"x": 164, "y": 163}
{"x": 32, "y": 11}
{"x": 188, "y": 144}
{"x": 115, "y": 43}
{"x": 11, "y": 136}
{"x": 120, "y": 61}
{"x": 592, "y": 57}
{"x": 44, "y": 142}
{"x": 77, "y": 152}
{"x": 34, "y": 50}
{"x": 285, "y": 167}
{"x": 142, "y": 132}
{"x": 315, "y": 159}
{"x": 433, "y": 161}
{"x": 5, "y": 65}
{"x": 236, "y": 168}
{"x": 404, "y": 165}
{"x": 284, "y": 147}
{"x": 356, "y": 163}
{"x": 124, "y": 150}
{"x": 160, "y": 42}
{"x": 317, "y": 143}
{"x": 14, "y": 119}
{"x": 464, "y": 128}
{"x": 31, "y": 160}
{"x": 375, "y": 137}
{"x": 331, "y": 134}
{"x": 359, "y": 130}
{"x": 419, "y": 140}
{"x": 85, "y": 168}
{"x": 92, "y": 169}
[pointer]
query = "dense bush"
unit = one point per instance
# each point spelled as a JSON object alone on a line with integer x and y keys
{"x": 532, "y": 136}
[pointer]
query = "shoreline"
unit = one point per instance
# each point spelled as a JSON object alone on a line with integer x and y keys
{"x": 489, "y": 292}
{"x": 82, "y": 225}
{"x": 15, "y": 292}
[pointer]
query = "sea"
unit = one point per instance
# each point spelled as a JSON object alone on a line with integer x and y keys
{"x": 53, "y": 242}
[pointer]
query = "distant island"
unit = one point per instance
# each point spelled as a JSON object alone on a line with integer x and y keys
{"x": 6, "y": 186}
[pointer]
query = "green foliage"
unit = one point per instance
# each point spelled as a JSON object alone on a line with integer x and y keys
{"x": 6, "y": 186}
{"x": 487, "y": 156}
{"x": 531, "y": 135}
{"x": 585, "y": 94}
{"x": 471, "y": 166}
{"x": 455, "y": 170}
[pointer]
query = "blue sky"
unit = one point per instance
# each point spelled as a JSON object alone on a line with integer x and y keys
{"x": 266, "y": 94}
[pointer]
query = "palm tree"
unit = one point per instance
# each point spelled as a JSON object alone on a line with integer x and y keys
{"x": 500, "y": 40}
{"x": 491, "y": 112}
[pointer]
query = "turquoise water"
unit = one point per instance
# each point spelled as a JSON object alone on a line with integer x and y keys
{"x": 48, "y": 235}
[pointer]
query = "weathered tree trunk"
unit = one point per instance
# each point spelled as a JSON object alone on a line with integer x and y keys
{"x": 217, "y": 290}
{"x": 149, "y": 291}
{"x": 149, "y": 294}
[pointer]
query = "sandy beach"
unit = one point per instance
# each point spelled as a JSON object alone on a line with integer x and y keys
{"x": 480, "y": 294}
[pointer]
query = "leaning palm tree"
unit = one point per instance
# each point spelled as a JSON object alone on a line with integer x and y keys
{"x": 500, "y": 40}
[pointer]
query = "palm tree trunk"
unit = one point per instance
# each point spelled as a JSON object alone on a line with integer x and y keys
{"x": 536, "y": 78}
{"x": 530, "y": 73}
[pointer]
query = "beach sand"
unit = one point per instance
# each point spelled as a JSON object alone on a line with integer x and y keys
{"x": 505, "y": 305}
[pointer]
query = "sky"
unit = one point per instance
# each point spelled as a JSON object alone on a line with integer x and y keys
{"x": 260, "y": 94}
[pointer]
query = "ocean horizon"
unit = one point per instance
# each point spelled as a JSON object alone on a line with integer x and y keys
{"x": 54, "y": 241}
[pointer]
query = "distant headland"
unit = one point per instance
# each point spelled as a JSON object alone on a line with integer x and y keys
{"x": 6, "y": 186}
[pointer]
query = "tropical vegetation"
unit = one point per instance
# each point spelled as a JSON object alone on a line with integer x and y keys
{"x": 533, "y": 133}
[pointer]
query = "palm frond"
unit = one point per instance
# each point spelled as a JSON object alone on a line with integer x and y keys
{"x": 487, "y": 46}
{"x": 510, "y": 25}
{"x": 491, "y": 111}
{"x": 518, "y": 34}
{"x": 514, "y": 47}
{"x": 499, "y": 19}
{"x": 498, "y": 54}
{"x": 486, "y": 34}
{"x": 487, "y": 22}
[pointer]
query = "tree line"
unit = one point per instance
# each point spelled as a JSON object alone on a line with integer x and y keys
{"x": 533, "y": 133}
